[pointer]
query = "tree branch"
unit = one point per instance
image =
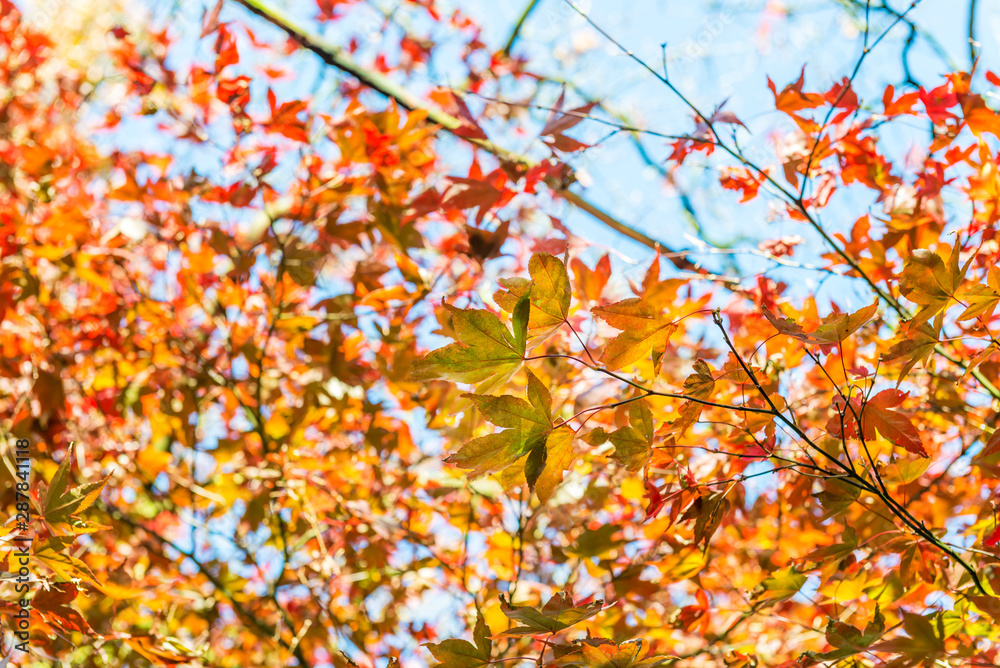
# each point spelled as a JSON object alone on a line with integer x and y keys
{"x": 516, "y": 32}
{"x": 336, "y": 57}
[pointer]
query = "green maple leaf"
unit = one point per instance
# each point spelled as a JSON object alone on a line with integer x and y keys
{"x": 485, "y": 354}
{"x": 526, "y": 424}
{"x": 699, "y": 385}
{"x": 781, "y": 585}
{"x": 462, "y": 653}
{"x": 61, "y": 502}
{"x": 557, "y": 614}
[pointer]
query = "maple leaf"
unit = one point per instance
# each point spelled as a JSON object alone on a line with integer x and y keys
{"x": 982, "y": 300}
{"x": 644, "y": 330}
{"x": 877, "y": 415}
{"x": 842, "y": 96}
{"x": 683, "y": 564}
{"x": 54, "y": 604}
{"x": 456, "y": 653}
{"x": 792, "y": 99}
{"x": 937, "y": 102}
{"x": 901, "y": 105}
{"x": 654, "y": 499}
{"x": 634, "y": 443}
{"x": 913, "y": 344}
{"x": 698, "y": 385}
{"x": 707, "y": 510}
{"x": 558, "y": 457}
{"x": 485, "y": 244}
{"x": 833, "y": 330}
{"x": 452, "y": 104}
{"x": 210, "y": 20}
{"x": 780, "y": 585}
{"x": 988, "y": 459}
{"x": 590, "y": 282}
{"x": 989, "y": 605}
{"x": 558, "y": 613}
{"x": 60, "y": 502}
{"x": 146, "y": 647}
{"x": 553, "y": 131}
{"x": 469, "y": 193}
{"x": 742, "y": 179}
{"x": 925, "y": 641}
{"x": 558, "y": 121}
{"x": 605, "y": 654}
{"x": 485, "y": 353}
{"x": 285, "y": 118}
{"x": 548, "y": 290}
{"x": 848, "y": 640}
{"x": 526, "y": 427}
{"x": 930, "y": 281}
{"x": 993, "y": 539}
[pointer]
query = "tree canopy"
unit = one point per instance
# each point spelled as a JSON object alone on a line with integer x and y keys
{"x": 345, "y": 333}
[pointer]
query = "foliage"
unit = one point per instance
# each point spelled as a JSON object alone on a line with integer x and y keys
{"x": 300, "y": 391}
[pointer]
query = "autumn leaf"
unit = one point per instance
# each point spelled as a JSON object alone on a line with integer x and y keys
{"x": 848, "y": 640}
{"x": 700, "y": 385}
{"x": 550, "y": 289}
{"x": 633, "y": 444}
{"x": 913, "y": 344}
{"x": 993, "y": 539}
{"x": 469, "y": 193}
{"x": 877, "y": 415}
{"x": 560, "y": 121}
{"x": 146, "y": 646}
{"x": 644, "y": 331}
{"x": 926, "y": 638}
{"x": 779, "y": 586}
{"x": 707, "y": 511}
{"x": 792, "y": 98}
{"x": 456, "y": 653}
{"x": 559, "y": 457}
{"x": 61, "y": 502}
{"x": 988, "y": 459}
{"x": 466, "y": 126}
{"x": 681, "y": 565}
{"x": 526, "y": 428}
{"x": 54, "y": 604}
{"x": 981, "y": 300}
{"x": 988, "y": 604}
{"x": 609, "y": 655}
{"x": 589, "y": 282}
{"x": 549, "y": 292}
{"x": 486, "y": 352}
{"x": 833, "y": 330}
{"x": 558, "y": 614}
{"x": 930, "y": 281}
